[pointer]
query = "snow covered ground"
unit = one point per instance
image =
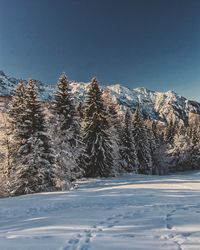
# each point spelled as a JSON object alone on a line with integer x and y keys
{"x": 129, "y": 212}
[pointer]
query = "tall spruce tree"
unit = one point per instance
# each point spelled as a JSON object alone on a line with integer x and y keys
{"x": 17, "y": 113}
{"x": 96, "y": 135}
{"x": 127, "y": 151}
{"x": 153, "y": 142}
{"x": 115, "y": 132}
{"x": 63, "y": 103}
{"x": 170, "y": 131}
{"x": 181, "y": 153}
{"x": 16, "y": 119}
{"x": 194, "y": 135}
{"x": 7, "y": 144}
{"x": 142, "y": 145}
{"x": 114, "y": 128}
{"x": 66, "y": 134}
{"x": 33, "y": 166}
{"x": 80, "y": 110}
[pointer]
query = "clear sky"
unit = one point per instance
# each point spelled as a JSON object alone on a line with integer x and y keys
{"x": 150, "y": 43}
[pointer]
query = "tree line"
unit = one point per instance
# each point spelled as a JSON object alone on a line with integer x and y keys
{"x": 51, "y": 145}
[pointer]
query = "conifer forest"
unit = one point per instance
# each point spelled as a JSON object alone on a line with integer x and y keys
{"x": 49, "y": 144}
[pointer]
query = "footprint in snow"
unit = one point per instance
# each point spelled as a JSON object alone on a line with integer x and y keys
{"x": 82, "y": 241}
{"x": 169, "y": 219}
{"x": 169, "y": 226}
{"x": 111, "y": 218}
{"x": 118, "y": 215}
{"x": 84, "y": 247}
{"x": 73, "y": 241}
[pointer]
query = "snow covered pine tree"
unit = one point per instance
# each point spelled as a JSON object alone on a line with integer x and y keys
{"x": 170, "y": 131}
{"x": 66, "y": 134}
{"x": 96, "y": 134}
{"x": 33, "y": 166}
{"x": 114, "y": 129}
{"x": 128, "y": 155}
{"x": 142, "y": 146}
{"x": 194, "y": 135}
{"x": 16, "y": 119}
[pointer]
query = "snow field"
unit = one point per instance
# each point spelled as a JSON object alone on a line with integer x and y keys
{"x": 129, "y": 212}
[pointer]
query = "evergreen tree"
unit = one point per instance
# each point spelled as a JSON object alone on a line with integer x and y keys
{"x": 194, "y": 135}
{"x": 17, "y": 112}
{"x": 96, "y": 135}
{"x": 114, "y": 128}
{"x": 7, "y": 143}
{"x": 128, "y": 156}
{"x": 182, "y": 150}
{"x": 142, "y": 146}
{"x": 64, "y": 104}
{"x": 114, "y": 117}
{"x": 67, "y": 137}
{"x": 80, "y": 110}
{"x": 170, "y": 132}
{"x": 194, "y": 132}
{"x": 15, "y": 133}
{"x": 32, "y": 170}
{"x": 153, "y": 142}
{"x": 111, "y": 108}
{"x": 151, "y": 135}
{"x": 6, "y": 147}
{"x": 156, "y": 132}
{"x": 159, "y": 152}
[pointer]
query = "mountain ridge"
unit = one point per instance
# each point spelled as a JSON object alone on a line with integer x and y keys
{"x": 160, "y": 106}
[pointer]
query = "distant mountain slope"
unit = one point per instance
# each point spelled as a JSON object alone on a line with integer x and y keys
{"x": 156, "y": 105}
{"x": 8, "y": 85}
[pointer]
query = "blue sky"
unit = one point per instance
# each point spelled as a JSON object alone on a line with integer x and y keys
{"x": 150, "y": 43}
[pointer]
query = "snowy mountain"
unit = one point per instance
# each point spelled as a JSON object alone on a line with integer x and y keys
{"x": 160, "y": 106}
{"x": 156, "y": 105}
{"x": 8, "y": 85}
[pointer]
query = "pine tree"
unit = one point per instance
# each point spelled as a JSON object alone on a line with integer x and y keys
{"x": 153, "y": 142}
{"x": 80, "y": 110}
{"x": 158, "y": 148}
{"x": 96, "y": 137}
{"x": 150, "y": 126}
{"x": 34, "y": 161}
{"x": 17, "y": 112}
{"x": 7, "y": 149}
{"x": 182, "y": 150}
{"x": 194, "y": 132}
{"x": 194, "y": 135}
{"x": 15, "y": 133}
{"x": 155, "y": 131}
{"x": 114, "y": 128}
{"x": 170, "y": 132}
{"x": 142, "y": 146}
{"x": 7, "y": 143}
{"x": 128, "y": 156}
{"x": 67, "y": 137}
{"x": 111, "y": 109}
{"x": 63, "y": 104}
